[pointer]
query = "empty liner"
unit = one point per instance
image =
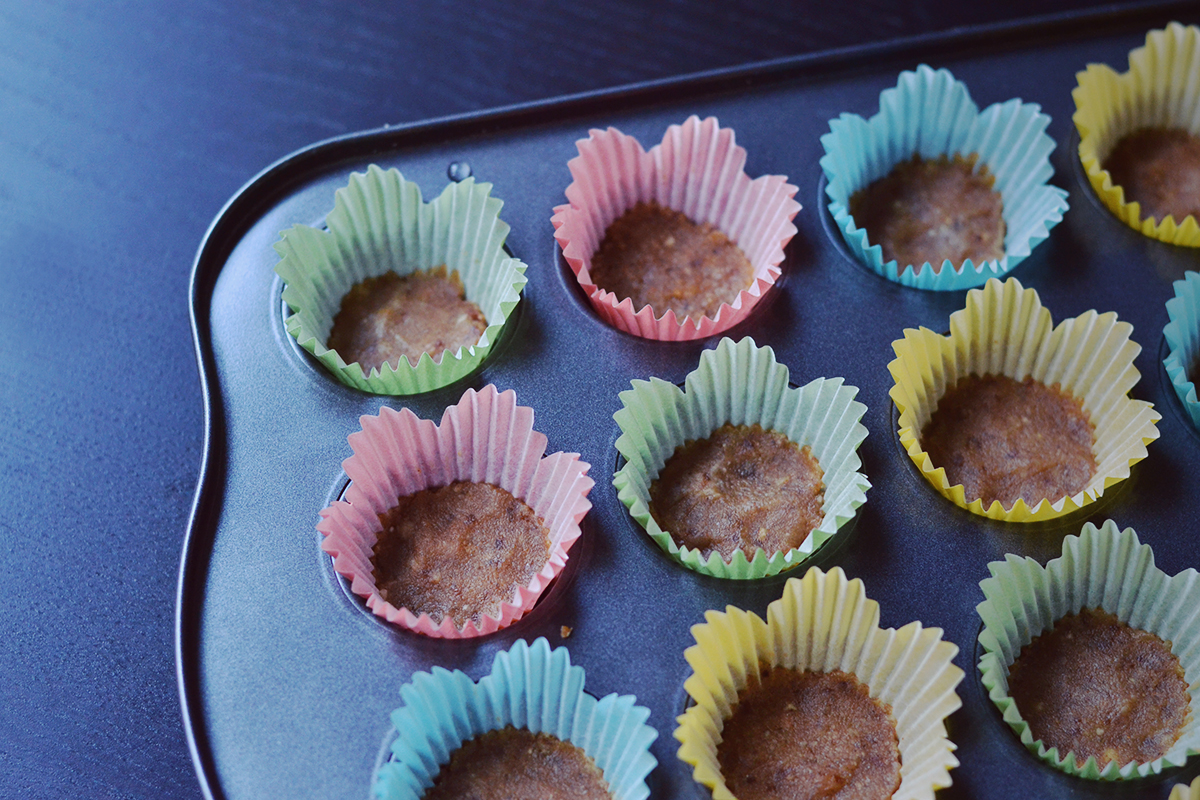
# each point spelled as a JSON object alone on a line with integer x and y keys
{"x": 930, "y": 113}
{"x": 379, "y": 224}
{"x": 698, "y": 170}
{"x": 742, "y": 384}
{"x": 485, "y": 438}
{"x": 1005, "y": 330}
{"x": 1105, "y": 568}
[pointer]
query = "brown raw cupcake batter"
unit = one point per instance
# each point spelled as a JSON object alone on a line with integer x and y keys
{"x": 515, "y": 764}
{"x": 383, "y": 319}
{"x": 1004, "y": 440}
{"x": 658, "y": 256}
{"x": 1094, "y": 686}
{"x": 742, "y": 487}
{"x": 801, "y": 735}
{"x": 458, "y": 551}
{"x": 930, "y": 211}
{"x": 1159, "y": 168}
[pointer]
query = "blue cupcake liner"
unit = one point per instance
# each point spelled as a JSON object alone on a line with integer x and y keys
{"x": 532, "y": 687}
{"x": 1183, "y": 341}
{"x": 930, "y": 113}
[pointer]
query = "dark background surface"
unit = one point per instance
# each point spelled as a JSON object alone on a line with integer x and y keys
{"x": 124, "y": 128}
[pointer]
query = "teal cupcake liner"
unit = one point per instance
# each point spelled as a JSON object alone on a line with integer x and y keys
{"x": 379, "y": 224}
{"x": 741, "y": 383}
{"x": 1105, "y": 568}
{"x": 930, "y": 113}
{"x": 531, "y": 687}
{"x": 1183, "y": 341}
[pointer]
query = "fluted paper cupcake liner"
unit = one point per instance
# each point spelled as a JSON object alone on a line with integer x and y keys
{"x": 379, "y": 224}
{"x": 1105, "y": 568}
{"x": 823, "y": 623}
{"x": 530, "y": 687}
{"x": 742, "y": 384}
{"x": 1005, "y": 330}
{"x": 485, "y": 438}
{"x": 1159, "y": 90}
{"x": 1186, "y": 791}
{"x": 930, "y": 113}
{"x": 698, "y": 170}
{"x": 1183, "y": 341}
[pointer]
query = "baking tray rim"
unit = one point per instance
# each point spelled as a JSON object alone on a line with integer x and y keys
{"x": 262, "y": 191}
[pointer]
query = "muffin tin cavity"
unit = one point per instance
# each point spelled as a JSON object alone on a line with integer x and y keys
{"x": 697, "y": 170}
{"x": 1102, "y": 568}
{"x": 930, "y": 114}
{"x": 1005, "y": 331}
{"x": 379, "y": 224}
{"x": 1159, "y": 91}
{"x": 532, "y": 687}
{"x": 742, "y": 384}
{"x": 544, "y": 607}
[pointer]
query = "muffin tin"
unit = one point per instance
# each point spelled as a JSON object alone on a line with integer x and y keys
{"x": 287, "y": 680}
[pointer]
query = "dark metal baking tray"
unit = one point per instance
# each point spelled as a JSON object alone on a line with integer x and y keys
{"x": 287, "y": 681}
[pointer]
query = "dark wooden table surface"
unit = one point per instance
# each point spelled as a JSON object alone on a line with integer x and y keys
{"x": 124, "y": 127}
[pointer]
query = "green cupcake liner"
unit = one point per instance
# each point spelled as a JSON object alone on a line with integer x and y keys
{"x": 379, "y": 224}
{"x": 1106, "y": 568}
{"x": 741, "y": 384}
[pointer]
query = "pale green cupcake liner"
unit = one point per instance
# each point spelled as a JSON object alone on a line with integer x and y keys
{"x": 379, "y": 223}
{"x": 1183, "y": 340}
{"x": 530, "y": 687}
{"x": 742, "y": 384}
{"x": 1103, "y": 568}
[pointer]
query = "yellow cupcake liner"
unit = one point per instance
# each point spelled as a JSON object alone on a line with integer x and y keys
{"x": 1184, "y": 791}
{"x": 1161, "y": 89}
{"x": 824, "y": 622}
{"x": 1005, "y": 330}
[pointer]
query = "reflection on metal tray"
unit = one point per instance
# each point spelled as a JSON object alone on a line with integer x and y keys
{"x": 287, "y": 681}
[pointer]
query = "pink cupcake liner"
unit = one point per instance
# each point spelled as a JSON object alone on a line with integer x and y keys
{"x": 485, "y": 438}
{"x": 697, "y": 170}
